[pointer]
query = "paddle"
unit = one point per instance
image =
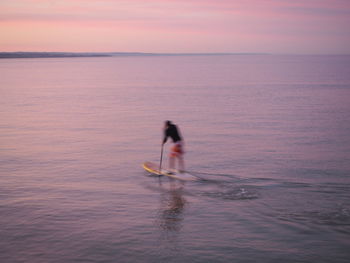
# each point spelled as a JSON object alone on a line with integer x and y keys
{"x": 161, "y": 158}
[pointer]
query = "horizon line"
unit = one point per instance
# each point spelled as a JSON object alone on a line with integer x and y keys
{"x": 54, "y": 54}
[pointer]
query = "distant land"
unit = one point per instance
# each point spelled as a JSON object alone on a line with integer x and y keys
{"x": 49, "y": 54}
{"x": 105, "y": 54}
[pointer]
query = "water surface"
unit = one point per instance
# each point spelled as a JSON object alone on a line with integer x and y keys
{"x": 268, "y": 136}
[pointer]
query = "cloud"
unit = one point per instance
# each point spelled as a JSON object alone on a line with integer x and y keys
{"x": 223, "y": 22}
{"x": 161, "y": 10}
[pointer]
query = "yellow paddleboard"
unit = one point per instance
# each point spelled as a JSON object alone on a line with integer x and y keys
{"x": 154, "y": 169}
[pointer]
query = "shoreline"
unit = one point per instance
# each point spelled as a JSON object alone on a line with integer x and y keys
{"x": 5, "y": 55}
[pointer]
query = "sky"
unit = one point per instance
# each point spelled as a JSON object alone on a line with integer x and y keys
{"x": 176, "y": 26}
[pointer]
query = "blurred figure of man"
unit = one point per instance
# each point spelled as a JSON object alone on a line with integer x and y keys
{"x": 177, "y": 149}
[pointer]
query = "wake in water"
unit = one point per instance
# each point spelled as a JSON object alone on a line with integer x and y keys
{"x": 228, "y": 187}
{"x": 233, "y": 187}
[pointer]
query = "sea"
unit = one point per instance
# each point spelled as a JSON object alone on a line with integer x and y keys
{"x": 268, "y": 136}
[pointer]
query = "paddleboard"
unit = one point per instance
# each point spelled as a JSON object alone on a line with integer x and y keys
{"x": 154, "y": 169}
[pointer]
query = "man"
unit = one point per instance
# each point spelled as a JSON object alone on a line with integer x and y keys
{"x": 176, "y": 151}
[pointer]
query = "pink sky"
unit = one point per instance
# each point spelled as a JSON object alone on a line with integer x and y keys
{"x": 273, "y": 26}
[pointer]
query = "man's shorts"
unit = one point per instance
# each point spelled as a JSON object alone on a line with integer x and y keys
{"x": 176, "y": 150}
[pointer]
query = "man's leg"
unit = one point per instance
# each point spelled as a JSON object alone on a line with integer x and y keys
{"x": 171, "y": 162}
{"x": 181, "y": 163}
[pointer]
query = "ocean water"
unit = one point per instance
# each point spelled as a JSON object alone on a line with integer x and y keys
{"x": 269, "y": 136}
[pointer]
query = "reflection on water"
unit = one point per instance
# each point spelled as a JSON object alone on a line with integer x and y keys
{"x": 172, "y": 204}
{"x": 170, "y": 219}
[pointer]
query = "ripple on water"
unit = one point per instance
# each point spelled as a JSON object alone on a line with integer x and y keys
{"x": 339, "y": 217}
{"x": 237, "y": 193}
